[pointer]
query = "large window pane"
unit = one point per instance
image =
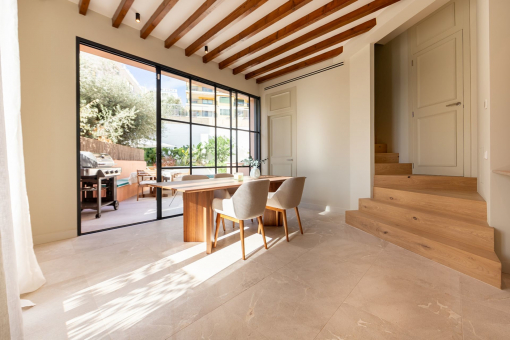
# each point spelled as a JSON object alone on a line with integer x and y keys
{"x": 243, "y": 113}
{"x": 243, "y": 147}
{"x": 174, "y": 144}
{"x": 254, "y": 145}
{"x": 204, "y": 146}
{"x": 223, "y": 147}
{"x": 207, "y": 172}
{"x": 202, "y": 103}
{"x": 174, "y": 97}
{"x": 224, "y": 171}
{"x": 222, "y": 108}
{"x": 234, "y": 148}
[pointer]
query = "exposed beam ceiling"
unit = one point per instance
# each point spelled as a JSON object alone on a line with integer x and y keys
{"x": 297, "y": 25}
{"x": 240, "y": 12}
{"x": 207, "y": 7}
{"x": 316, "y": 33}
{"x": 121, "y": 12}
{"x": 83, "y": 6}
{"x": 273, "y": 17}
{"x": 156, "y": 18}
{"x": 309, "y": 62}
{"x": 334, "y": 40}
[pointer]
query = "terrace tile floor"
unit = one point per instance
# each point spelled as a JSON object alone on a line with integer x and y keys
{"x": 333, "y": 282}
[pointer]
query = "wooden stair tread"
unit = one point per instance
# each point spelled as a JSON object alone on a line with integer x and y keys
{"x": 469, "y": 221}
{"x": 426, "y": 182}
{"x": 393, "y": 169}
{"x": 386, "y": 157}
{"x": 460, "y": 194}
{"x": 487, "y": 254}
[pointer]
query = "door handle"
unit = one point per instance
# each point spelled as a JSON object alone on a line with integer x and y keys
{"x": 290, "y": 159}
{"x": 454, "y": 104}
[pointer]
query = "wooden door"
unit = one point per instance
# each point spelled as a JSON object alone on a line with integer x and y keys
{"x": 438, "y": 108}
{"x": 282, "y": 133}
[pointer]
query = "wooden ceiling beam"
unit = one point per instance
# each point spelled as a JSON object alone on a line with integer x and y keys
{"x": 156, "y": 18}
{"x": 334, "y": 40}
{"x": 83, "y": 6}
{"x": 239, "y": 13}
{"x": 316, "y": 33}
{"x": 297, "y": 25}
{"x": 273, "y": 17}
{"x": 121, "y": 12}
{"x": 207, "y": 7}
{"x": 309, "y": 62}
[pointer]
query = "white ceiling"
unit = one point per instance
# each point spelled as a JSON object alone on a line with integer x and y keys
{"x": 184, "y": 8}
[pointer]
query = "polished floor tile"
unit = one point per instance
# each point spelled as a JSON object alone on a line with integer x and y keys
{"x": 332, "y": 282}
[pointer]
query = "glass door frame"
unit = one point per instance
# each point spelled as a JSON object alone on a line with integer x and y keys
{"x": 159, "y": 68}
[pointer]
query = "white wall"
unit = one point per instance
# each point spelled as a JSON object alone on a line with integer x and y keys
{"x": 47, "y": 33}
{"x": 499, "y": 103}
{"x": 391, "y": 96}
{"x": 361, "y": 124}
{"x": 322, "y": 136}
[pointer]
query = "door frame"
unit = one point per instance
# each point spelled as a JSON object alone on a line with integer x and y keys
{"x": 269, "y": 114}
{"x": 462, "y": 23}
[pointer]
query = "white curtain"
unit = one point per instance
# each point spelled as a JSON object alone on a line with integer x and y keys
{"x": 14, "y": 193}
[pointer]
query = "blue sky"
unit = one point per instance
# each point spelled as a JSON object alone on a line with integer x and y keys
{"x": 147, "y": 79}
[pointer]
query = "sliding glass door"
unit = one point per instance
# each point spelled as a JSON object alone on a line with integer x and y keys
{"x": 158, "y": 125}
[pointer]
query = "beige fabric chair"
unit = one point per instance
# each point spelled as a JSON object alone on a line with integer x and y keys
{"x": 231, "y": 192}
{"x": 248, "y": 202}
{"x": 287, "y": 196}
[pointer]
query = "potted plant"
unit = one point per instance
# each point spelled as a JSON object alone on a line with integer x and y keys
{"x": 255, "y": 166}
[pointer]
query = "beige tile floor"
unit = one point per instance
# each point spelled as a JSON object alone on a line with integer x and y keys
{"x": 333, "y": 282}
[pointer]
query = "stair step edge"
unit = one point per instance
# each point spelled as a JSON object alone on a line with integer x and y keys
{"x": 486, "y": 254}
{"x": 474, "y": 222}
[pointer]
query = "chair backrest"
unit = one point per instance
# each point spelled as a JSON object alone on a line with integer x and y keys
{"x": 223, "y": 175}
{"x": 140, "y": 174}
{"x": 193, "y": 177}
{"x": 250, "y": 199}
{"x": 290, "y": 192}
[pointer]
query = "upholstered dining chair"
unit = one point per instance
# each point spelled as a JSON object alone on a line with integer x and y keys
{"x": 248, "y": 202}
{"x": 231, "y": 191}
{"x": 287, "y": 196}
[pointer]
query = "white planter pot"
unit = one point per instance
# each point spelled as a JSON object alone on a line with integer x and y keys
{"x": 255, "y": 173}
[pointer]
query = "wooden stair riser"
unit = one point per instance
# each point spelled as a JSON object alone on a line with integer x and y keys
{"x": 387, "y": 158}
{"x": 481, "y": 268}
{"x": 476, "y": 210}
{"x": 426, "y": 182}
{"x": 393, "y": 168}
{"x": 475, "y": 235}
{"x": 381, "y": 148}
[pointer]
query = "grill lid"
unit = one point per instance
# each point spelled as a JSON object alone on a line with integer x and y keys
{"x": 95, "y": 160}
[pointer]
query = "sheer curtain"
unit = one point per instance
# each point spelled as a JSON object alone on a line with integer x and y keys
{"x": 14, "y": 201}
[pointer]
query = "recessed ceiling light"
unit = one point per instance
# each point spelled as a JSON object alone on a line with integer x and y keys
{"x": 137, "y": 17}
{"x": 206, "y": 49}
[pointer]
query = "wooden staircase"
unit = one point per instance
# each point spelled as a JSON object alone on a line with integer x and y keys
{"x": 440, "y": 217}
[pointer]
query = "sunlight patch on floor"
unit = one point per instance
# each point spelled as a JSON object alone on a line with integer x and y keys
{"x": 124, "y": 312}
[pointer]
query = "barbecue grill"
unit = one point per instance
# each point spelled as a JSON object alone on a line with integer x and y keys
{"x": 98, "y": 173}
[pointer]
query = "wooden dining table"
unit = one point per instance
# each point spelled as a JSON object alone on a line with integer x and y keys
{"x": 198, "y": 215}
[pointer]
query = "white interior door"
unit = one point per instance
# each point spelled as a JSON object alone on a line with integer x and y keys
{"x": 438, "y": 108}
{"x": 282, "y": 133}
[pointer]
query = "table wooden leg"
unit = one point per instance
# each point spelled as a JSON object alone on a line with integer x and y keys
{"x": 272, "y": 218}
{"x": 198, "y": 218}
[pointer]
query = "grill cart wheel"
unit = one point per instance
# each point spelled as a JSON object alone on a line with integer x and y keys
{"x": 98, "y": 215}
{"x": 116, "y": 205}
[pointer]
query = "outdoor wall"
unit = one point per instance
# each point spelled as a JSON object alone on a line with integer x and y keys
{"x": 391, "y": 117}
{"x": 499, "y": 103}
{"x": 322, "y": 135}
{"x": 47, "y": 34}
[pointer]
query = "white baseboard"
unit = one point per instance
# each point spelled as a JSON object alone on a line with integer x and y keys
{"x": 320, "y": 207}
{"x": 52, "y": 237}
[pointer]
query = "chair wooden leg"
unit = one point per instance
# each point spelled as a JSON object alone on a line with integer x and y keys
{"x": 233, "y": 225}
{"x": 218, "y": 217}
{"x": 285, "y": 225}
{"x": 224, "y": 229}
{"x": 137, "y": 193}
{"x": 241, "y": 231}
{"x": 261, "y": 228}
{"x": 252, "y": 220}
{"x": 299, "y": 220}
